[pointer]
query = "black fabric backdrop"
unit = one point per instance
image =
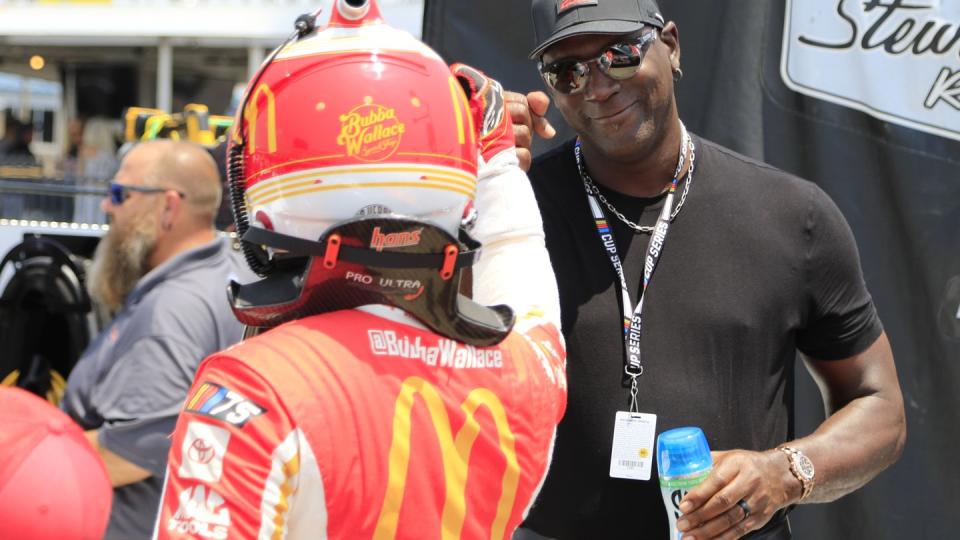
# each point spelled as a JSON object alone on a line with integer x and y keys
{"x": 899, "y": 188}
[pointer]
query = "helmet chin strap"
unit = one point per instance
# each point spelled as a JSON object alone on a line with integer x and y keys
{"x": 401, "y": 262}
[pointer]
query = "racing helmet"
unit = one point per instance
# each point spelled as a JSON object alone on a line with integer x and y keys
{"x": 352, "y": 165}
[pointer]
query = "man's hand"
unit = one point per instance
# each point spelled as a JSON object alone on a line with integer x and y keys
{"x": 527, "y": 113}
{"x": 761, "y": 479}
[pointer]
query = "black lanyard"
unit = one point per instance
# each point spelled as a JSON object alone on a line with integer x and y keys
{"x": 633, "y": 317}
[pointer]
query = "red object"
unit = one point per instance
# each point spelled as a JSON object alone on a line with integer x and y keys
{"x": 566, "y": 5}
{"x": 358, "y": 118}
{"x": 388, "y": 109}
{"x": 485, "y": 95}
{"x": 449, "y": 260}
{"x": 349, "y": 425}
{"x": 53, "y": 485}
{"x": 332, "y": 252}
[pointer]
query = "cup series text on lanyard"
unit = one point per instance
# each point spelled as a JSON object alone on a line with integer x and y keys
{"x": 633, "y": 317}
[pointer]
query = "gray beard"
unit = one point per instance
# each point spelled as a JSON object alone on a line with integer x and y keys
{"x": 119, "y": 262}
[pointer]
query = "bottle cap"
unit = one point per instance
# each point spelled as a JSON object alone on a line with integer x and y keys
{"x": 683, "y": 451}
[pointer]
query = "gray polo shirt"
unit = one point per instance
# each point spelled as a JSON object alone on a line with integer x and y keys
{"x": 132, "y": 380}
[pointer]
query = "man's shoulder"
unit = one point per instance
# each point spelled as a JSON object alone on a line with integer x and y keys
{"x": 174, "y": 297}
{"x": 727, "y": 161}
{"x": 563, "y": 150}
{"x": 184, "y": 305}
{"x": 540, "y": 336}
{"x": 740, "y": 175}
{"x": 320, "y": 333}
{"x": 202, "y": 279}
{"x": 554, "y": 168}
{"x": 209, "y": 263}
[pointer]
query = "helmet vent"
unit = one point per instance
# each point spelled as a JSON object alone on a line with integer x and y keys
{"x": 353, "y": 9}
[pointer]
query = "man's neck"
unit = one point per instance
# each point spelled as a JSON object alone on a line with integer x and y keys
{"x": 646, "y": 175}
{"x": 176, "y": 244}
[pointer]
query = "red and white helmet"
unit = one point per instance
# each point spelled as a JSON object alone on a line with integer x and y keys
{"x": 357, "y": 119}
{"x": 355, "y": 122}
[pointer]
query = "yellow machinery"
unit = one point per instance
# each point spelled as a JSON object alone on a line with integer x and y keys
{"x": 194, "y": 124}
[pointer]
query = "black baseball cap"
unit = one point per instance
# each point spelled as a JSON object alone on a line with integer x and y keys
{"x": 554, "y": 20}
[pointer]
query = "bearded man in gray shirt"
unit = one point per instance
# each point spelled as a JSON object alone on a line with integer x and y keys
{"x": 164, "y": 271}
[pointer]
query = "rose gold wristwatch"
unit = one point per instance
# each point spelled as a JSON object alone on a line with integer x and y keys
{"x": 802, "y": 468}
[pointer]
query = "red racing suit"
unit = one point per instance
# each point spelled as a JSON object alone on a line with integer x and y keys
{"x": 354, "y": 425}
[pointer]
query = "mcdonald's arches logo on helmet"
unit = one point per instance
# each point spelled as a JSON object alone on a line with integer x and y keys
{"x": 251, "y": 114}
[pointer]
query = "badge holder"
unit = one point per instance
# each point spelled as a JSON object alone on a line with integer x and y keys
{"x": 631, "y": 457}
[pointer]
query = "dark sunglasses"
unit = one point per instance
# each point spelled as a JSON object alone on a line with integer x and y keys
{"x": 119, "y": 193}
{"x": 619, "y": 61}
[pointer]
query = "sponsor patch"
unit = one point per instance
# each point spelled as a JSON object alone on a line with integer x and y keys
{"x": 202, "y": 514}
{"x": 379, "y": 241}
{"x": 202, "y": 452}
{"x": 567, "y": 5}
{"x": 219, "y": 402}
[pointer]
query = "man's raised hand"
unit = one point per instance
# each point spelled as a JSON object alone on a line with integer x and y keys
{"x": 528, "y": 115}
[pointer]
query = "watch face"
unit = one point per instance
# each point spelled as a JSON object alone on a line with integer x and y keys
{"x": 804, "y": 465}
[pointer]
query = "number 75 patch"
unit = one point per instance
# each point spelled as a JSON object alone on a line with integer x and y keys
{"x": 216, "y": 401}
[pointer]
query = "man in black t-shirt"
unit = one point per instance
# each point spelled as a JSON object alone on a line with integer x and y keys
{"x": 748, "y": 266}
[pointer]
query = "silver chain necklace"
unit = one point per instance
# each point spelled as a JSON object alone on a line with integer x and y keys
{"x": 592, "y": 188}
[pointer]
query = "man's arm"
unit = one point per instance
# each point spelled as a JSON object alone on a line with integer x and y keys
{"x": 121, "y": 471}
{"x": 864, "y": 434}
{"x": 139, "y": 400}
{"x": 866, "y": 430}
{"x": 508, "y": 223}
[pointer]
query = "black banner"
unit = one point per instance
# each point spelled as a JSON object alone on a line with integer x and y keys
{"x": 879, "y": 130}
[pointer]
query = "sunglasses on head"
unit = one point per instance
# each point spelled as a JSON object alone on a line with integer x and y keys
{"x": 619, "y": 61}
{"x": 119, "y": 193}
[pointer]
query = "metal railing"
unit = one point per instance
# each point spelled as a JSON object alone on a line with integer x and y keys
{"x": 26, "y": 194}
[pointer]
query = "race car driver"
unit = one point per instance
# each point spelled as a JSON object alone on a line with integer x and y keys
{"x": 381, "y": 403}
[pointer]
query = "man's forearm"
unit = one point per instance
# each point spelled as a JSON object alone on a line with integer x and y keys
{"x": 515, "y": 266}
{"x": 866, "y": 430}
{"x": 849, "y": 449}
{"x": 863, "y": 434}
{"x": 121, "y": 471}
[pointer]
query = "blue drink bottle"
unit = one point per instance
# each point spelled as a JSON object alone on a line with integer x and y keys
{"x": 683, "y": 462}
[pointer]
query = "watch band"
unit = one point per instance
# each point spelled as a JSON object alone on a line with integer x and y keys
{"x": 802, "y": 468}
